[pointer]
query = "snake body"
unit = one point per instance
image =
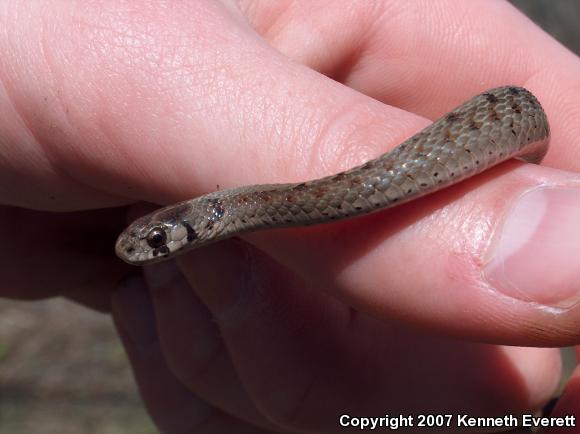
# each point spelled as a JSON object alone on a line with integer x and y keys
{"x": 494, "y": 126}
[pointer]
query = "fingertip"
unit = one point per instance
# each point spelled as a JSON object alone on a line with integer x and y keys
{"x": 134, "y": 316}
{"x": 540, "y": 369}
{"x": 222, "y": 275}
{"x": 567, "y": 406}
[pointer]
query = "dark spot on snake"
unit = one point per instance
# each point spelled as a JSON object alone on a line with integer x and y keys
{"x": 318, "y": 193}
{"x": 513, "y": 132}
{"x": 474, "y": 125}
{"x": 288, "y": 220}
{"x": 476, "y": 161}
{"x": 517, "y": 108}
{"x": 243, "y": 220}
{"x": 493, "y": 114}
{"x": 447, "y": 134}
{"x": 452, "y": 117}
{"x": 191, "y": 235}
{"x": 452, "y": 174}
{"x": 130, "y": 250}
{"x": 436, "y": 174}
{"x": 409, "y": 191}
{"x": 491, "y": 98}
{"x": 358, "y": 208}
{"x": 265, "y": 196}
{"x": 513, "y": 90}
{"x": 424, "y": 184}
{"x": 394, "y": 200}
{"x": 467, "y": 150}
{"x": 289, "y": 198}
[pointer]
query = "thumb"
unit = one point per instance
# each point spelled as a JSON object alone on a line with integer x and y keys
{"x": 160, "y": 104}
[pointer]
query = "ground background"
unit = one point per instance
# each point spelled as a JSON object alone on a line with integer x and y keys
{"x": 62, "y": 368}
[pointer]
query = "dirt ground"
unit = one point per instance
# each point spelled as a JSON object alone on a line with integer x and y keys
{"x": 62, "y": 368}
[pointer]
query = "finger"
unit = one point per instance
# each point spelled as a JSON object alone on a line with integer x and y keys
{"x": 397, "y": 53}
{"x": 49, "y": 254}
{"x": 566, "y": 408}
{"x": 31, "y": 175}
{"x": 333, "y": 357}
{"x": 193, "y": 347}
{"x": 172, "y": 406}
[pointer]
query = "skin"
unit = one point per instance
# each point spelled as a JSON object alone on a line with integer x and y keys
{"x": 111, "y": 103}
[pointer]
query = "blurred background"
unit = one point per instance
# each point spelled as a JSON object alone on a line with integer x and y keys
{"x": 62, "y": 366}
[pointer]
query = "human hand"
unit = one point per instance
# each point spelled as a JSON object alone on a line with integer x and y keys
{"x": 163, "y": 102}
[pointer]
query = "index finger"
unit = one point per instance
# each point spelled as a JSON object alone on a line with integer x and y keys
{"x": 425, "y": 57}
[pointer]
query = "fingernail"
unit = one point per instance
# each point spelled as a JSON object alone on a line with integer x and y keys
{"x": 536, "y": 253}
{"x": 134, "y": 315}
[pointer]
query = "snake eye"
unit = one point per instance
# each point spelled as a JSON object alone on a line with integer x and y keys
{"x": 156, "y": 238}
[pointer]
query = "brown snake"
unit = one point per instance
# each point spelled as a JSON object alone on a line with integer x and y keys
{"x": 499, "y": 124}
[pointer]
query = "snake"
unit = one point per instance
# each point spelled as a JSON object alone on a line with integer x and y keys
{"x": 499, "y": 124}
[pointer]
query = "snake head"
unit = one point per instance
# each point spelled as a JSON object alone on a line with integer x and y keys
{"x": 163, "y": 233}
